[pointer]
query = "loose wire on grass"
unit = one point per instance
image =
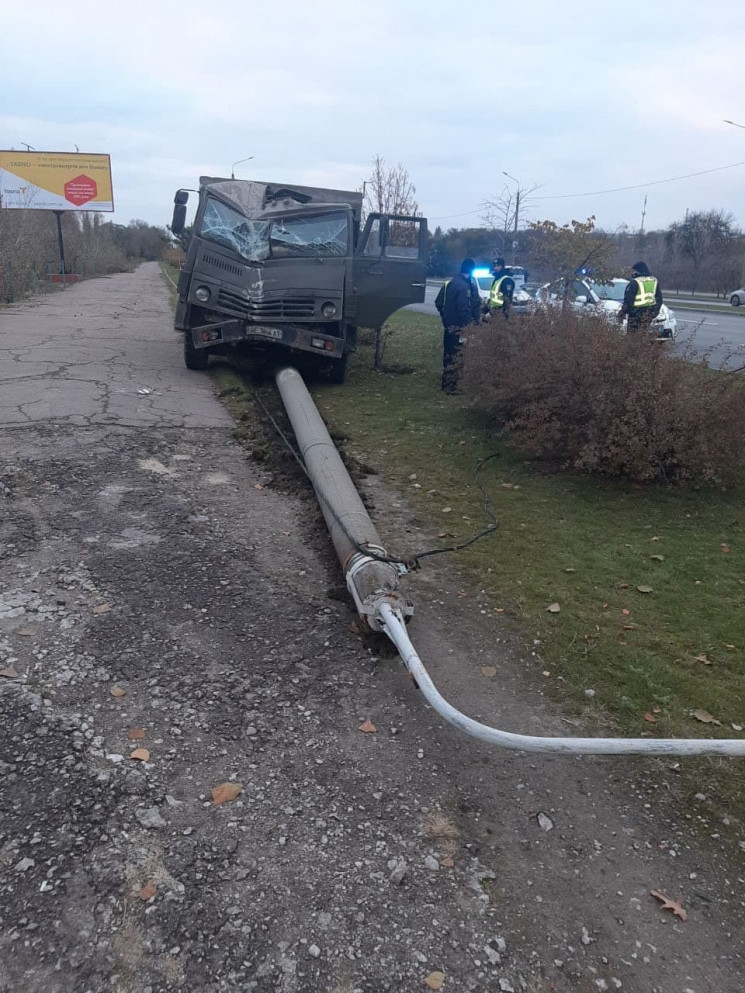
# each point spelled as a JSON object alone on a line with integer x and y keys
{"x": 413, "y": 562}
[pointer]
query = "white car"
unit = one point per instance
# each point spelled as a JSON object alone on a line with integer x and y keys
{"x": 737, "y": 297}
{"x": 607, "y": 298}
{"x": 521, "y": 299}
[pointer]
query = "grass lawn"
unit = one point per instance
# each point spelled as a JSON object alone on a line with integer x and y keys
{"x": 651, "y": 658}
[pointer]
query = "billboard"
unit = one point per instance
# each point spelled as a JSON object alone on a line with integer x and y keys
{"x": 55, "y": 181}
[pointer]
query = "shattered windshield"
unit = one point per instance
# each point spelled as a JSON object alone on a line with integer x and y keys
{"x": 322, "y": 234}
{"x": 232, "y": 229}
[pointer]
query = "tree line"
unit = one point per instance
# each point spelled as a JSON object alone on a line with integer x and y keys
{"x": 29, "y": 255}
{"x": 702, "y": 253}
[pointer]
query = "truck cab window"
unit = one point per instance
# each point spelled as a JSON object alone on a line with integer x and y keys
{"x": 403, "y": 239}
{"x": 231, "y": 229}
{"x": 322, "y": 235}
{"x": 372, "y": 244}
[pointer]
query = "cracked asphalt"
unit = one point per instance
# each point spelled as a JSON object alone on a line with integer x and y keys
{"x": 171, "y": 620}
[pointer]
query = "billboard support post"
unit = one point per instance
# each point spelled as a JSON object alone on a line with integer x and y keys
{"x": 61, "y": 245}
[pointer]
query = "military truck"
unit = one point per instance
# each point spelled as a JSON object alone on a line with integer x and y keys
{"x": 291, "y": 272}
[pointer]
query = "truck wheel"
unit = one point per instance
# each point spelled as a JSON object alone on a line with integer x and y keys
{"x": 194, "y": 358}
{"x": 338, "y": 371}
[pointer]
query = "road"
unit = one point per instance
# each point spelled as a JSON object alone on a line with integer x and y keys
{"x": 721, "y": 336}
{"x": 171, "y": 621}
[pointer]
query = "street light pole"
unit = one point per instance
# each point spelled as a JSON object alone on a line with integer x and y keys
{"x": 734, "y": 124}
{"x": 232, "y": 168}
{"x": 517, "y": 214}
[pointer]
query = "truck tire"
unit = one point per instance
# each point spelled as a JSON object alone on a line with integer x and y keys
{"x": 338, "y": 373}
{"x": 194, "y": 358}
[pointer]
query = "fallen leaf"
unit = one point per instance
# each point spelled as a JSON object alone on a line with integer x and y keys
{"x": 258, "y": 486}
{"x": 367, "y": 727}
{"x": 730, "y": 648}
{"x": 447, "y": 862}
{"x": 117, "y": 691}
{"x": 226, "y": 792}
{"x": 668, "y": 904}
{"x": 447, "y": 510}
{"x": 435, "y": 980}
{"x": 140, "y": 755}
{"x": 102, "y": 608}
{"x": 656, "y": 710}
{"x": 148, "y": 891}
{"x": 650, "y": 718}
{"x": 499, "y": 610}
{"x": 645, "y": 589}
{"x": 9, "y": 673}
{"x": 655, "y": 538}
{"x": 626, "y": 612}
{"x": 658, "y": 558}
{"x": 446, "y": 534}
{"x": 629, "y": 627}
{"x": 736, "y": 727}
{"x": 353, "y": 627}
{"x": 702, "y": 658}
{"x": 26, "y": 632}
{"x": 488, "y": 670}
{"x": 546, "y": 673}
{"x": 623, "y": 586}
{"x": 135, "y": 734}
{"x": 553, "y": 608}
{"x": 705, "y": 717}
{"x": 570, "y": 570}
{"x": 725, "y": 549}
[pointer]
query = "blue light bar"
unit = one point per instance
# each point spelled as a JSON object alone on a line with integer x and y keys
{"x": 481, "y": 272}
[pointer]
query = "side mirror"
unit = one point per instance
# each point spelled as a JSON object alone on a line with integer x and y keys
{"x": 181, "y": 197}
{"x": 179, "y": 218}
{"x": 581, "y": 300}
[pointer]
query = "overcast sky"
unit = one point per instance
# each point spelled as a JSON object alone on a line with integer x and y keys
{"x": 579, "y": 97}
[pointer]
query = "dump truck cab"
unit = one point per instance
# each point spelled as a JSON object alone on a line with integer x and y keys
{"x": 290, "y": 270}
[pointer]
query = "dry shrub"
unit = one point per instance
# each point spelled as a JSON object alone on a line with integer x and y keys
{"x": 572, "y": 389}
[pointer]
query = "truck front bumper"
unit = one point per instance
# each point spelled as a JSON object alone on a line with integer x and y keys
{"x": 293, "y": 336}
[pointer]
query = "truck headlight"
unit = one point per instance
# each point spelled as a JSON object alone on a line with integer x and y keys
{"x": 328, "y": 310}
{"x": 202, "y": 293}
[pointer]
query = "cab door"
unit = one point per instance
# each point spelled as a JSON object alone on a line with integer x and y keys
{"x": 390, "y": 268}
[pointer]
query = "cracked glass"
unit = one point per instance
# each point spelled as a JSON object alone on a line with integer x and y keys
{"x": 230, "y": 228}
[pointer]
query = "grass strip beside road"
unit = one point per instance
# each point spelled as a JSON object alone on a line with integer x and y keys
{"x": 649, "y": 581}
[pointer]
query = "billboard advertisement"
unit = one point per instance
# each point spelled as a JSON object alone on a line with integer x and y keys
{"x": 55, "y": 181}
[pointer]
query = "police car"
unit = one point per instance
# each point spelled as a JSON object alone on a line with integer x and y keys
{"x": 607, "y": 298}
{"x": 521, "y": 299}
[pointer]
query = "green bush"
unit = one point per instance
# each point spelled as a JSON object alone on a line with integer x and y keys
{"x": 575, "y": 391}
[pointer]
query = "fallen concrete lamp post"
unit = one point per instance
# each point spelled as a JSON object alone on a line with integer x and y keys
{"x": 373, "y": 582}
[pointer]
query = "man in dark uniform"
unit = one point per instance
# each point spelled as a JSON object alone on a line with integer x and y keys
{"x": 642, "y": 299}
{"x": 459, "y": 305}
{"x": 502, "y": 290}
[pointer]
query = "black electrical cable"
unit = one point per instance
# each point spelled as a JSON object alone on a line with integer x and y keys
{"x": 412, "y": 563}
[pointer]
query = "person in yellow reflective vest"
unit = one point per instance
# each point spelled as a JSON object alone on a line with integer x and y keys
{"x": 502, "y": 290}
{"x": 642, "y": 299}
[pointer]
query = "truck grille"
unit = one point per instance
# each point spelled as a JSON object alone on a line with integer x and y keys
{"x": 232, "y": 302}
{"x": 286, "y": 309}
{"x": 266, "y": 310}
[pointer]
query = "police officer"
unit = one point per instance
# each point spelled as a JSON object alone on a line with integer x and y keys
{"x": 642, "y": 299}
{"x": 502, "y": 290}
{"x": 459, "y": 305}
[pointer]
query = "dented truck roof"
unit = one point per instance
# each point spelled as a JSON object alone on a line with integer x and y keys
{"x": 261, "y": 200}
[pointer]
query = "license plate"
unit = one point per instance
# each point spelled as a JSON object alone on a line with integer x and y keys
{"x": 275, "y": 333}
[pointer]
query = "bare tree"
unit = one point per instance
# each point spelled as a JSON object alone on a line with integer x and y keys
{"x": 388, "y": 190}
{"x": 502, "y": 213}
